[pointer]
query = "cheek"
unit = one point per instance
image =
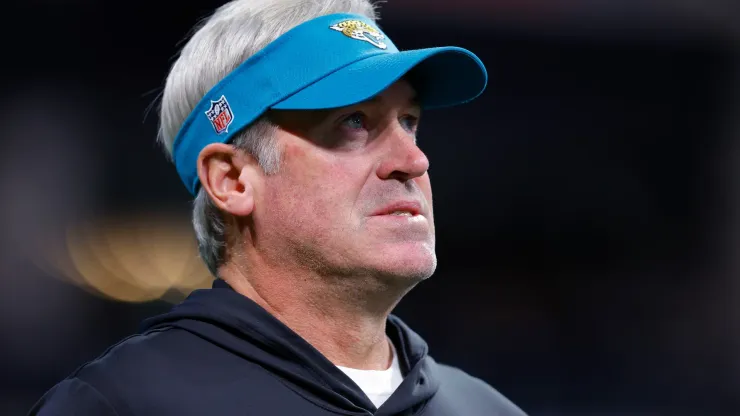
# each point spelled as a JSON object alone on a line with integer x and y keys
{"x": 425, "y": 185}
{"x": 311, "y": 191}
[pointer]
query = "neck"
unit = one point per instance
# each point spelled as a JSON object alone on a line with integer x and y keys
{"x": 341, "y": 322}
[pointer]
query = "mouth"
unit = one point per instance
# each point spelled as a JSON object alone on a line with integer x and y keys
{"x": 402, "y": 213}
{"x": 405, "y": 220}
{"x": 400, "y": 209}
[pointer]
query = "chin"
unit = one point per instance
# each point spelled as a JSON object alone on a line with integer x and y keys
{"x": 407, "y": 263}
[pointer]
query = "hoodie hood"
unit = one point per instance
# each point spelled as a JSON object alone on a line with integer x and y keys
{"x": 240, "y": 326}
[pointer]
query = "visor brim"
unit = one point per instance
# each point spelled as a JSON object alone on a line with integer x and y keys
{"x": 442, "y": 77}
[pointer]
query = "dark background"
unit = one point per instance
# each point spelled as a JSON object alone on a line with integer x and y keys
{"x": 586, "y": 205}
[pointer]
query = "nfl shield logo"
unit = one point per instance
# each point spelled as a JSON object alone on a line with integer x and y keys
{"x": 220, "y": 115}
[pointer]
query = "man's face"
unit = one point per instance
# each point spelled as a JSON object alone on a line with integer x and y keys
{"x": 353, "y": 194}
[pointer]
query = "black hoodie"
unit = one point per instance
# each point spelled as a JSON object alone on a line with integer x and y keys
{"x": 219, "y": 353}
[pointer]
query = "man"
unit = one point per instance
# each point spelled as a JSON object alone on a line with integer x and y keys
{"x": 293, "y": 122}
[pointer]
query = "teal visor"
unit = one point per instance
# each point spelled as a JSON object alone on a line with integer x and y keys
{"x": 328, "y": 62}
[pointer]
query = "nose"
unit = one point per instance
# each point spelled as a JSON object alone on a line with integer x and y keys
{"x": 404, "y": 160}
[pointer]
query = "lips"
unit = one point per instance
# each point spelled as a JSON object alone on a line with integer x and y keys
{"x": 411, "y": 207}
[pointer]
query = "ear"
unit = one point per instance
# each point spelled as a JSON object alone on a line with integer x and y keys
{"x": 227, "y": 174}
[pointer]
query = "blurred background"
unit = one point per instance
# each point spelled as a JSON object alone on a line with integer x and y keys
{"x": 587, "y": 206}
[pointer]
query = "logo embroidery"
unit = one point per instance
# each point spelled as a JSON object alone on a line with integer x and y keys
{"x": 220, "y": 115}
{"x": 359, "y": 30}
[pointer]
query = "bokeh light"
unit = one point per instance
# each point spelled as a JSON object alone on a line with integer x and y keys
{"x": 135, "y": 259}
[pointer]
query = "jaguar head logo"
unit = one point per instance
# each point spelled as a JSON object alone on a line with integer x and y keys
{"x": 359, "y": 30}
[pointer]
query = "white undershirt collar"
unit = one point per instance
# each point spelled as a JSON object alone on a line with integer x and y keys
{"x": 378, "y": 385}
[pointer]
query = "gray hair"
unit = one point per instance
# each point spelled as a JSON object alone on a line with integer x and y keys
{"x": 235, "y": 32}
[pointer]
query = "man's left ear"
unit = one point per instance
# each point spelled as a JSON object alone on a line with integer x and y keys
{"x": 226, "y": 174}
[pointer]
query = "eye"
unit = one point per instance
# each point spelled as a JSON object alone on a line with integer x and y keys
{"x": 355, "y": 121}
{"x": 410, "y": 123}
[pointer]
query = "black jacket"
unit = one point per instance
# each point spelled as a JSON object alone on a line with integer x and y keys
{"x": 219, "y": 353}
